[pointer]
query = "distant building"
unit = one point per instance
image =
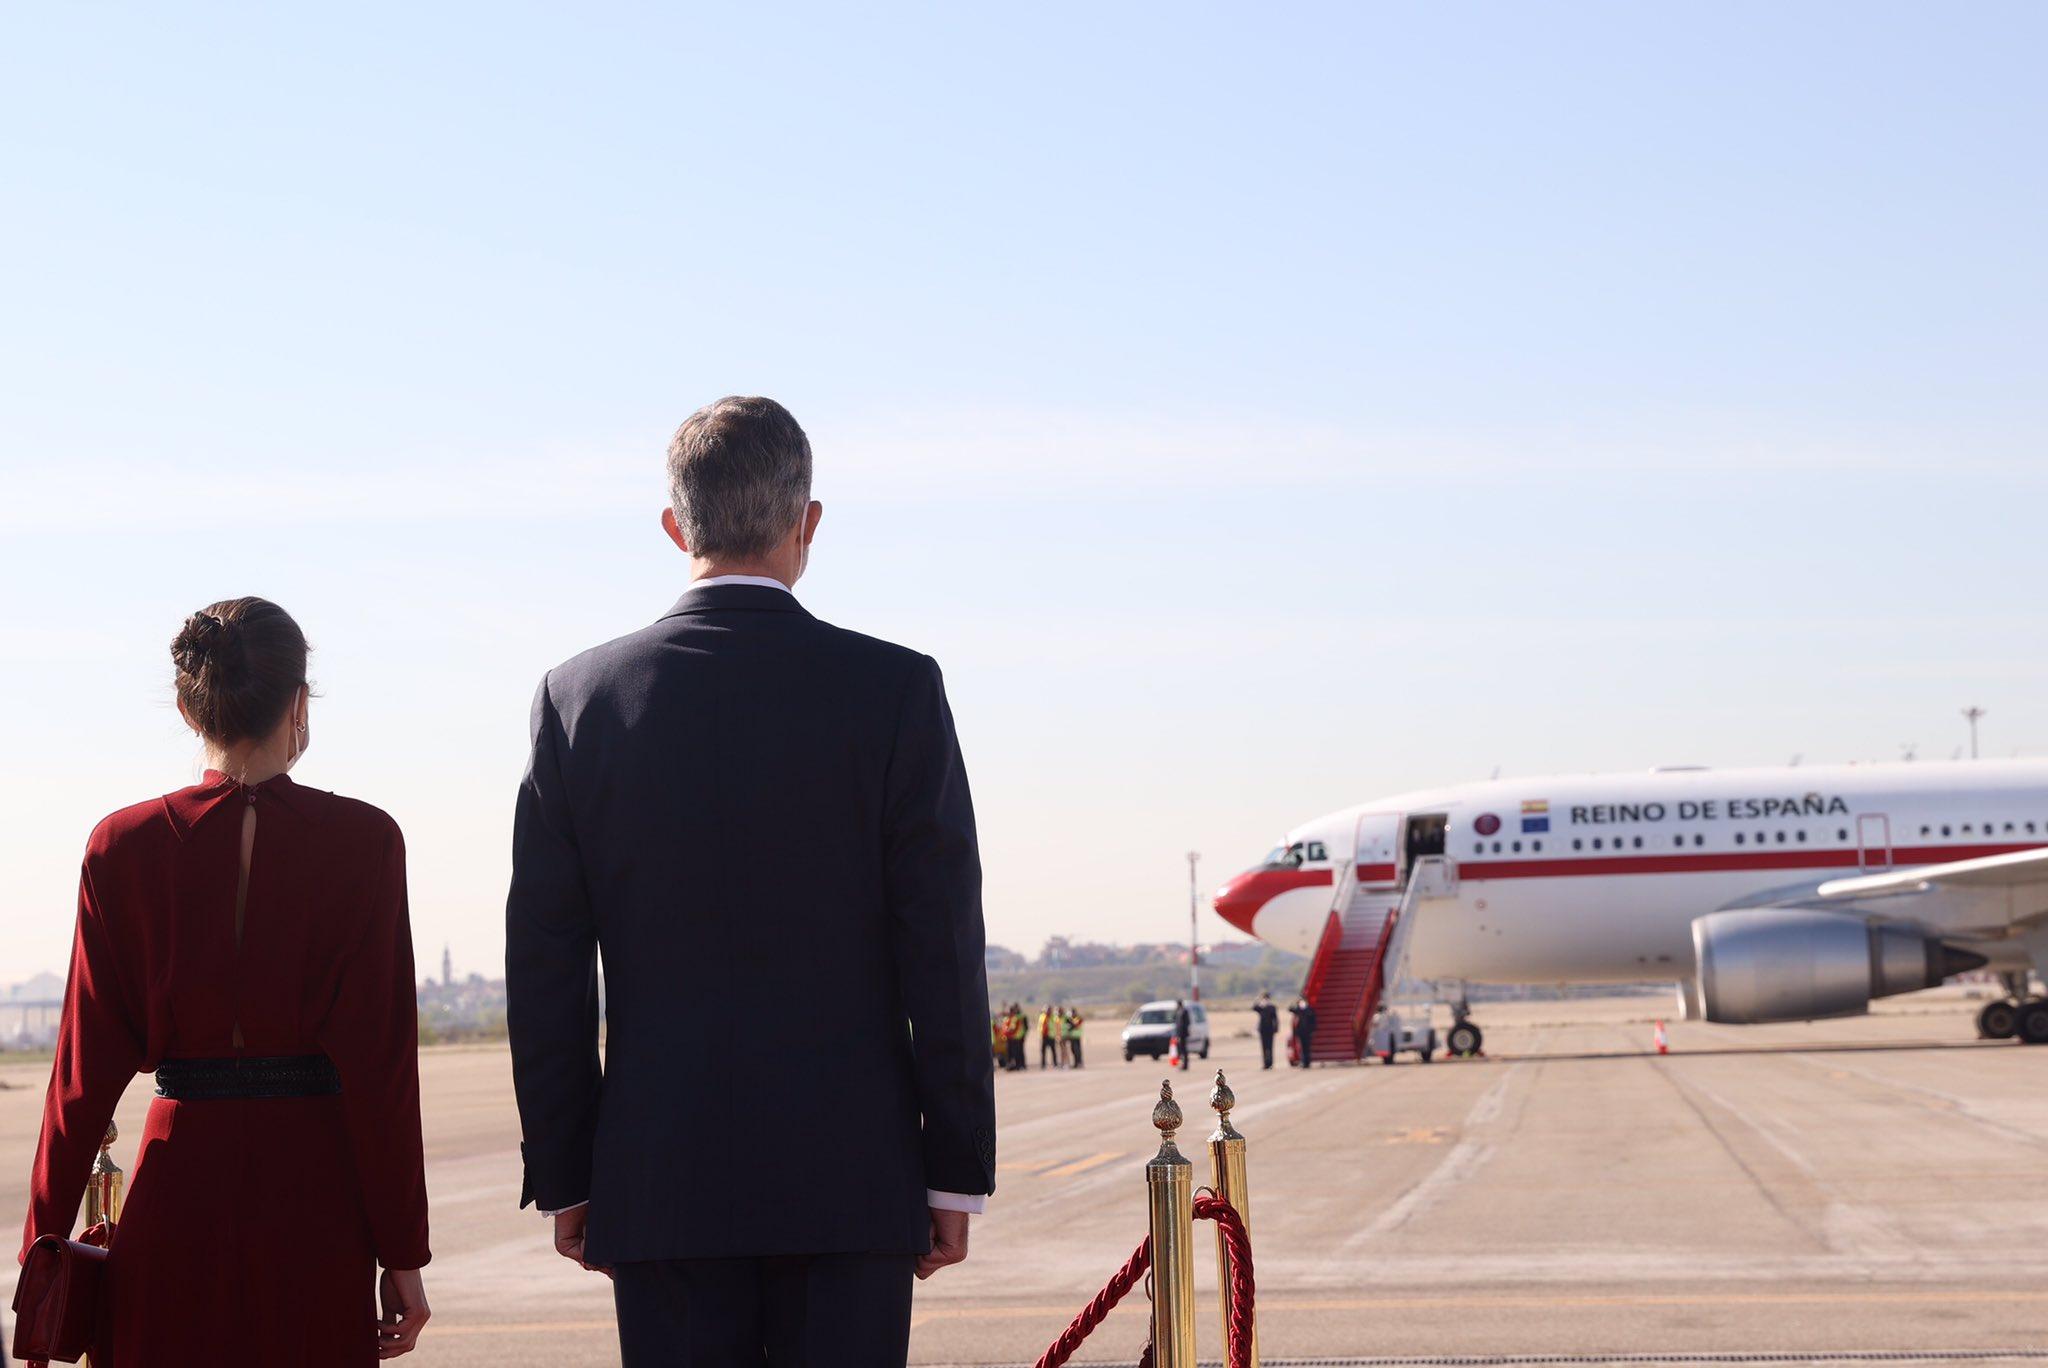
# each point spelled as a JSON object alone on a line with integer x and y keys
{"x": 1000, "y": 959}
{"x": 29, "y": 1013}
{"x": 447, "y": 968}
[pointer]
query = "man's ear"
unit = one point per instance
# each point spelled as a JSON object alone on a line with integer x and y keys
{"x": 674, "y": 530}
{"x": 812, "y": 515}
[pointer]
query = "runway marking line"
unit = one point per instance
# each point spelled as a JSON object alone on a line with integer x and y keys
{"x": 1646, "y": 1299}
{"x": 1036, "y": 1166}
{"x": 925, "y": 1317}
{"x": 1083, "y": 1165}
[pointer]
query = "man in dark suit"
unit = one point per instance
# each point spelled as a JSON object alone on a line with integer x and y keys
{"x": 1269, "y": 1026}
{"x": 762, "y": 824}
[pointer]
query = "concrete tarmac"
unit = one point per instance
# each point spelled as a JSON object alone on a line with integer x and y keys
{"x": 1875, "y": 1184}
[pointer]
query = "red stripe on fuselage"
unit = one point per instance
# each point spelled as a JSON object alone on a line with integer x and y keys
{"x": 1722, "y": 862}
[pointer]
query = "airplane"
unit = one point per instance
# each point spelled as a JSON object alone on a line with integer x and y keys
{"x": 1767, "y": 894}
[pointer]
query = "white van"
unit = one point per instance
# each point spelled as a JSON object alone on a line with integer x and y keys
{"x": 1150, "y": 1031}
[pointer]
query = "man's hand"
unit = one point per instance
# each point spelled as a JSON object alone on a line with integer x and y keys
{"x": 949, "y": 1242}
{"x": 569, "y": 1237}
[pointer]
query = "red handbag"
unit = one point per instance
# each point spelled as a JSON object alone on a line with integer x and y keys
{"x": 57, "y": 1300}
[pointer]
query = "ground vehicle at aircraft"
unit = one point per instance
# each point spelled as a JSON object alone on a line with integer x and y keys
{"x": 1150, "y": 1030}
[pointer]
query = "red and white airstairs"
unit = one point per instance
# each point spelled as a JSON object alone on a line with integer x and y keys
{"x": 1363, "y": 950}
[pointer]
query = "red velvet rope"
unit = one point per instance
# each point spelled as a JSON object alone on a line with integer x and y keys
{"x": 1235, "y": 1239}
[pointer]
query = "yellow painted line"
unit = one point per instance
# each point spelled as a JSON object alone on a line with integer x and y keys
{"x": 1534, "y": 1302}
{"x": 1083, "y": 1165}
{"x": 1035, "y": 1166}
{"x": 524, "y": 1327}
{"x": 962, "y": 1313}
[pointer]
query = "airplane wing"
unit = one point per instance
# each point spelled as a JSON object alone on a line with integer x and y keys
{"x": 2019, "y": 869}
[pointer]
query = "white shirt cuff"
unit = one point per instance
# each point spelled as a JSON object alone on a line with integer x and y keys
{"x": 973, "y": 1203}
{"x": 571, "y": 1207}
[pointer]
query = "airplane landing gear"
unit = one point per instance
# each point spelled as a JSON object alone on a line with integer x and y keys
{"x": 2033, "y": 1021}
{"x": 1464, "y": 1039}
{"x": 1998, "y": 1021}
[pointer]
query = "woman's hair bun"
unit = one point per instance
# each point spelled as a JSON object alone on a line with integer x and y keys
{"x": 239, "y": 663}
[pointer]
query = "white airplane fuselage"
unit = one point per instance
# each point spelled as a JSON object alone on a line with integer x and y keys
{"x": 1599, "y": 878}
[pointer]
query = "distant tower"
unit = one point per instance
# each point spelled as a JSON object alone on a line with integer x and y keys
{"x": 447, "y": 968}
{"x": 1971, "y": 714}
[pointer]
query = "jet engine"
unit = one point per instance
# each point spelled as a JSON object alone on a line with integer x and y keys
{"x": 1795, "y": 964}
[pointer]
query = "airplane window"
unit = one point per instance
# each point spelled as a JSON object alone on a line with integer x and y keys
{"x": 1738, "y": 838}
{"x": 2008, "y": 826}
{"x": 2030, "y": 828}
{"x": 1284, "y": 857}
{"x": 1678, "y": 840}
{"x": 1578, "y": 844}
{"x": 1479, "y": 848}
{"x": 1944, "y": 831}
{"x": 1926, "y": 831}
{"x": 1966, "y": 828}
{"x": 1596, "y": 843}
{"x": 1518, "y": 847}
{"x": 1802, "y": 837}
{"x": 1535, "y": 845}
{"x": 1639, "y": 843}
{"x": 1781, "y": 838}
{"x": 1496, "y": 847}
{"x": 1699, "y": 840}
{"x": 1759, "y": 838}
{"x": 1842, "y": 835}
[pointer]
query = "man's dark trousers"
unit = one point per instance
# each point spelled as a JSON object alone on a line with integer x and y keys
{"x": 1305, "y": 1037}
{"x": 1266, "y": 1047}
{"x": 845, "y": 1310}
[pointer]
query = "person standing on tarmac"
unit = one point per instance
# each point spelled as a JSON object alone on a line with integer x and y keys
{"x": 1019, "y": 1024}
{"x": 1269, "y": 1026}
{"x": 1183, "y": 1024}
{"x": 1304, "y": 1030}
{"x": 1073, "y": 1024}
{"x": 1048, "y": 1044}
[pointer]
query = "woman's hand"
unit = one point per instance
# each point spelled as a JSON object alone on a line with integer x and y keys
{"x": 405, "y": 1311}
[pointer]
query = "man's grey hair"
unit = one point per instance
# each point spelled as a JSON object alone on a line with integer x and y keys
{"x": 739, "y": 477}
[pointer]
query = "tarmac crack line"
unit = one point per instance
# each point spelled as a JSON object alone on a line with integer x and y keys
{"x": 1685, "y": 1095}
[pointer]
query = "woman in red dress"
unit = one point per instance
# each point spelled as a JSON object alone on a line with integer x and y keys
{"x": 247, "y": 940}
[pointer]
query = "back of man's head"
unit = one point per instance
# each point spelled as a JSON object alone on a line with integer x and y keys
{"x": 739, "y": 477}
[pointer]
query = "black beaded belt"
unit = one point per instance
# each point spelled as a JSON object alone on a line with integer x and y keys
{"x": 205, "y": 1080}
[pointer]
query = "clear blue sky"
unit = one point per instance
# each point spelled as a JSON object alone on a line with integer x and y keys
{"x": 1253, "y": 411}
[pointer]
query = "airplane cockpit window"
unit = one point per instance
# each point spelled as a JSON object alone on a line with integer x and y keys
{"x": 1285, "y": 857}
{"x": 1318, "y": 851}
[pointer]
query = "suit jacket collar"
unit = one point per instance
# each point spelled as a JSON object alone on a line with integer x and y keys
{"x": 746, "y": 598}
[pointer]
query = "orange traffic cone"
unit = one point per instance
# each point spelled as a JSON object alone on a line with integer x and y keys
{"x": 1173, "y": 1053}
{"x": 1658, "y": 1038}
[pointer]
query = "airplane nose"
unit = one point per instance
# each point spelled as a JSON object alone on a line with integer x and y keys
{"x": 1237, "y": 904}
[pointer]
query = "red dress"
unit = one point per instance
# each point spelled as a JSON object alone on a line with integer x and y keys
{"x": 251, "y": 1228}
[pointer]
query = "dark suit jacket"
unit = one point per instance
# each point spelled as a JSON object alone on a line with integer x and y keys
{"x": 762, "y": 823}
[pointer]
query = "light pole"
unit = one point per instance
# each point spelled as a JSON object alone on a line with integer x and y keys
{"x": 1973, "y": 712}
{"x": 1194, "y": 954}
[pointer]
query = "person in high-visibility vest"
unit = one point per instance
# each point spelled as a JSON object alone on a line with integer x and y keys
{"x": 1073, "y": 1023}
{"x": 1048, "y": 1038}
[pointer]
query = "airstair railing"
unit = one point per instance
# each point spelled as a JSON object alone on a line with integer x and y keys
{"x": 1326, "y": 951}
{"x": 1376, "y": 986}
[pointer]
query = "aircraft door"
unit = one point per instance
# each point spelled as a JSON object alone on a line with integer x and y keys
{"x": 1874, "y": 841}
{"x": 1377, "y": 850}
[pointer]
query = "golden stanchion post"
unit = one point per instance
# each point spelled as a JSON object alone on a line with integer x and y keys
{"x": 103, "y": 1187}
{"x": 1227, "y": 1176}
{"x": 1170, "y": 1190}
